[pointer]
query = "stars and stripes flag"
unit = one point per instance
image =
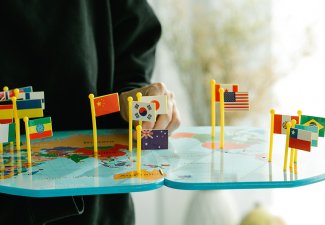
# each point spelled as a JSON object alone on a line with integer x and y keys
{"x": 160, "y": 102}
{"x": 40, "y": 128}
{"x": 226, "y": 88}
{"x": 154, "y": 139}
{"x": 300, "y": 139}
{"x": 143, "y": 111}
{"x": 106, "y": 104}
{"x": 280, "y": 122}
{"x": 236, "y": 101}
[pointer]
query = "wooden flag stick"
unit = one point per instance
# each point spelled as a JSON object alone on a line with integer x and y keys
{"x": 130, "y": 99}
{"x": 29, "y": 152}
{"x": 139, "y": 128}
{"x": 288, "y": 126}
{"x": 213, "y": 107}
{"x": 139, "y": 96}
{"x": 222, "y": 119}
{"x": 272, "y": 112}
{"x": 93, "y": 120}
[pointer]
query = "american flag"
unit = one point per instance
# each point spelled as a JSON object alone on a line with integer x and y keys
{"x": 236, "y": 101}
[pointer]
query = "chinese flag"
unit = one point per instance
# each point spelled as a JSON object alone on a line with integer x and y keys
{"x": 106, "y": 104}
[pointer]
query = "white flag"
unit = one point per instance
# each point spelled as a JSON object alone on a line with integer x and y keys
{"x": 33, "y": 95}
{"x": 143, "y": 111}
{"x": 160, "y": 101}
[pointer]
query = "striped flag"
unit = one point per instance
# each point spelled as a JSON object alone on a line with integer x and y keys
{"x": 40, "y": 128}
{"x": 33, "y": 95}
{"x": 314, "y": 133}
{"x": 300, "y": 139}
{"x": 280, "y": 122}
{"x": 226, "y": 88}
{"x": 6, "y": 112}
{"x": 4, "y": 95}
{"x": 30, "y": 108}
{"x": 7, "y": 132}
{"x": 236, "y": 101}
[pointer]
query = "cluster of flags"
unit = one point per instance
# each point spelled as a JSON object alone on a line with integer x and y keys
{"x": 26, "y": 104}
{"x": 145, "y": 110}
{"x": 304, "y": 134}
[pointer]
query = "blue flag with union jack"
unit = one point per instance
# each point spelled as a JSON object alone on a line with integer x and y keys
{"x": 154, "y": 139}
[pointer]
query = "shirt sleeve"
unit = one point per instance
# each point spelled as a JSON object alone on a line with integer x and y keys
{"x": 136, "y": 31}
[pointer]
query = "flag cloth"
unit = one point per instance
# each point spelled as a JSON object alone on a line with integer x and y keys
{"x": 6, "y": 112}
{"x": 314, "y": 121}
{"x": 7, "y": 132}
{"x": 160, "y": 102}
{"x": 30, "y": 108}
{"x": 40, "y": 128}
{"x": 280, "y": 122}
{"x": 6, "y": 95}
{"x": 314, "y": 133}
{"x": 143, "y": 111}
{"x": 33, "y": 95}
{"x": 300, "y": 139}
{"x": 226, "y": 88}
{"x": 236, "y": 101}
{"x": 154, "y": 139}
{"x": 106, "y": 104}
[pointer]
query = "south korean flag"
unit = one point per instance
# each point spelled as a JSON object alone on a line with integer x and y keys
{"x": 143, "y": 111}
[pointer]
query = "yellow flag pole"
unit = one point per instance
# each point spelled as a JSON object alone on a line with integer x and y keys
{"x": 299, "y": 112}
{"x": 93, "y": 119}
{"x": 272, "y": 112}
{"x": 292, "y": 151}
{"x": 29, "y": 152}
{"x": 139, "y": 128}
{"x": 130, "y": 99}
{"x": 213, "y": 107}
{"x": 139, "y": 96}
{"x": 1, "y": 148}
{"x": 288, "y": 126}
{"x": 222, "y": 119}
{"x": 17, "y": 123}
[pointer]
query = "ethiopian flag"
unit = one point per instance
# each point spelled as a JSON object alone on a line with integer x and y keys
{"x": 318, "y": 122}
{"x": 40, "y": 128}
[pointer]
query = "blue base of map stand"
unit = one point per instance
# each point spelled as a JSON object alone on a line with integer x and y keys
{"x": 64, "y": 165}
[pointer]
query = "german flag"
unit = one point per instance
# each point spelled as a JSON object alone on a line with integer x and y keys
{"x": 40, "y": 128}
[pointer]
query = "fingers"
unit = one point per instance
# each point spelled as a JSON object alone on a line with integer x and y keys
{"x": 169, "y": 121}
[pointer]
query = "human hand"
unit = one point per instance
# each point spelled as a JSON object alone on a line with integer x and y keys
{"x": 169, "y": 121}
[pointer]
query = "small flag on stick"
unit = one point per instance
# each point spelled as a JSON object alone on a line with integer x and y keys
{"x": 40, "y": 128}
{"x": 319, "y": 122}
{"x": 236, "y": 101}
{"x": 143, "y": 111}
{"x": 106, "y": 104}
{"x": 7, "y": 132}
{"x": 160, "y": 102}
{"x": 300, "y": 139}
{"x": 226, "y": 88}
{"x": 154, "y": 139}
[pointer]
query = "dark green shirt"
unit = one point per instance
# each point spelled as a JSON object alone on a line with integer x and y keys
{"x": 69, "y": 49}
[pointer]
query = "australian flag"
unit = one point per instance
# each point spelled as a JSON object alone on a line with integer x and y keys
{"x": 154, "y": 139}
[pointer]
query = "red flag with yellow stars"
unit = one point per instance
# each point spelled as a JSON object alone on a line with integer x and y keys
{"x": 106, "y": 104}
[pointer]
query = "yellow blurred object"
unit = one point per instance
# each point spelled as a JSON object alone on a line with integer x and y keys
{"x": 259, "y": 216}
